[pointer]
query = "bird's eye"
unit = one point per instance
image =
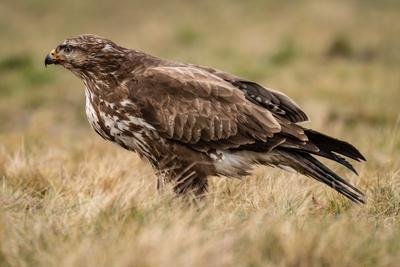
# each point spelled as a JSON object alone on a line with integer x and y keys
{"x": 67, "y": 49}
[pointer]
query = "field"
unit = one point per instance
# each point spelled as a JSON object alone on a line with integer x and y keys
{"x": 68, "y": 198}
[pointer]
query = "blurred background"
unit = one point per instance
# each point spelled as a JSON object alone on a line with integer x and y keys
{"x": 339, "y": 60}
{"x": 68, "y": 198}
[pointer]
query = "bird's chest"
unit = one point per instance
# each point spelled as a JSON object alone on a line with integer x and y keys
{"x": 119, "y": 122}
{"x": 93, "y": 116}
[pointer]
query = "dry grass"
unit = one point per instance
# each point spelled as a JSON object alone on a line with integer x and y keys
{"x": 68, "y": 198}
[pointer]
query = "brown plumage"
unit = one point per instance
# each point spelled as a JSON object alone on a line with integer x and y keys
{"x": 191, "y": 122}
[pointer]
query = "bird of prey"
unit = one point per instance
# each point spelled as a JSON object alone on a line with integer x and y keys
{"x": 191, "y": 122}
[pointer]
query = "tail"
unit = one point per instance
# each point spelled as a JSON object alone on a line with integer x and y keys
{"x": 329, "y": 144}
{"x": 302, "y": 161}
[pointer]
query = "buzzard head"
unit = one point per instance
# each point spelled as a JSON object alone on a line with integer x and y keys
{"x": 86, "y": 53}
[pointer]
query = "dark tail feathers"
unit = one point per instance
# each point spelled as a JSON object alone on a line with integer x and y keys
{"x": 330, "y": 148}
{"x": 329, "y": 144}
{"x": 308, "y": 165}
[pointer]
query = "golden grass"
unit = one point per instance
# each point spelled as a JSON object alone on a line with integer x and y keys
{"x": 68, "y": 198}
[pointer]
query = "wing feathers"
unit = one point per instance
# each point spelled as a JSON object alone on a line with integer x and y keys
{"x": 276, "y": 102}
{"x": 193, "y": 106}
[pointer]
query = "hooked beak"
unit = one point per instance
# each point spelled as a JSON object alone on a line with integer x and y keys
{"x": 52, "y": 58}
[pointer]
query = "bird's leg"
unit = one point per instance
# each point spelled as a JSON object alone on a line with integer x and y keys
{"x": 161, "y": 180}
{"x": 192, "y": 184}
{"x": 160, "y": 183}
{"x": 187, "y": 178}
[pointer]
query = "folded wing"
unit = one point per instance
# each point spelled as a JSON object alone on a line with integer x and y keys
{"x": 194, "y": 107}
{"x": 276, "y": 102}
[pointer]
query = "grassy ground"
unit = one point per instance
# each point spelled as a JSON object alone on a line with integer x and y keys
{"x": 68, "y": 198}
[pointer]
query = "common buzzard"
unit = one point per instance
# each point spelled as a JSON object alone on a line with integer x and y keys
{"x": 191, "y": 121}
